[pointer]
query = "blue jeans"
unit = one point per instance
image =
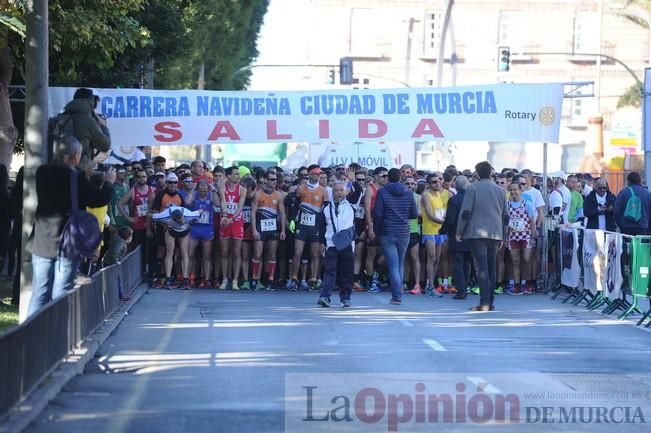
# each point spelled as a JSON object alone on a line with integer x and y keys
{"x": 51, "y": 279}
{"x": 394, "y": 249}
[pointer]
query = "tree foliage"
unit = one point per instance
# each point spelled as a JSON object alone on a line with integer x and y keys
{"x": 109, "y": 43}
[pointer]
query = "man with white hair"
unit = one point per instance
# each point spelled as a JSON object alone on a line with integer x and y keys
{"x": 339, "y": 217}
{"x": 53, "y": 273}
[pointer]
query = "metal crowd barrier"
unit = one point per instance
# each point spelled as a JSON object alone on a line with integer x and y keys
{"x": 602, "y": 269}
{"x": 29, "y": 352}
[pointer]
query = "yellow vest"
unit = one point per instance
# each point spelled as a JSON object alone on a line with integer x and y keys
{"x": 439, "y": 204}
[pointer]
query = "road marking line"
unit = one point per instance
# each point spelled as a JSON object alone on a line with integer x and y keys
{"x": 406, "y": 322}
{"x": 131, "y": 405}
{"x": 434, "y": 345}
{"x": 483, "y": 385}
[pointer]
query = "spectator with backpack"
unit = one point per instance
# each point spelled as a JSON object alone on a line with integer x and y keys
{"x": 63, "y": 234}
{"x": 633, "y": 207}
{"x": 80, "y": 120}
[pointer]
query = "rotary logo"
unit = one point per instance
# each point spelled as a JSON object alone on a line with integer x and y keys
{"x": 547, "y": 115}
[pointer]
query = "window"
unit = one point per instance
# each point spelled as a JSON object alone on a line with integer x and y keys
{"x": 586, "y": 27}
{"x": 513, "y": 30}
{"x": 433, "y": 27}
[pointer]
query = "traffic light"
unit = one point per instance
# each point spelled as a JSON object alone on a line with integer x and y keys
{"x": 331, "y": 76}
{"x": 503, "y": 59}
{"x": 346, "y": 70}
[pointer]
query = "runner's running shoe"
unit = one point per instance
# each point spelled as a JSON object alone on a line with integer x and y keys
{"x": 416, "y": 290}
{"x": 224, "y": 284}
{"x": 246, "y": 285}
{"x": 235, "y": 285}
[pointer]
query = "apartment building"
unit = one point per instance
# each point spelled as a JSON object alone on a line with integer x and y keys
{"x": 396, "y": 43}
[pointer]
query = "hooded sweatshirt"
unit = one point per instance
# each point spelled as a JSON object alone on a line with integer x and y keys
{"x": 90, "y": 134}
{"x": 394, "y": 207}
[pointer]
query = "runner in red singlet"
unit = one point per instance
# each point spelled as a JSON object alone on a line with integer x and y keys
{"x": 231, "y": 230}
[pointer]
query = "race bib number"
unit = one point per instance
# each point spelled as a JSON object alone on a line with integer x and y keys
{"x": 231, "y": 208}
{"x": 359, "y": 213}
{"x": 246, "y": 214}
{"x": 142, "y": 209}
{"x": 517, "y": 225}
{"x": 217, "y": 209}
{"x": 440, "y": 214}
{"x": 204, "y": 218}
{"x": 308, "y": 219}
{"x": 268, "y": 225}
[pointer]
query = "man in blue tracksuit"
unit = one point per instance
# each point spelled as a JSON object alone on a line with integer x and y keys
{"x": 394, "y": 207}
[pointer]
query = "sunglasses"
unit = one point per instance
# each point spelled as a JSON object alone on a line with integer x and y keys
{"x": 384, "y": 176}
{"x": 602, "y": 188}
{"x": 171, "y": 183}
{"x": 361, "y": 179}
{"x": 501, "y": 183}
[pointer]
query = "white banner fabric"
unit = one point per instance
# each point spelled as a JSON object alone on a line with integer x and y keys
{"x": 570, "y": 269}
{"x": 501, "y": 112}
{"x": 594, "y": 260}
{"x": 613, "y": 276}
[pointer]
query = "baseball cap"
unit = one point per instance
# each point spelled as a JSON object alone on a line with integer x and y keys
{"x": 558, "y": 174}
{"x": 171, "y": 178}
{"x": 83, "y": 93}
{"x": 160, "y": 174}
{"x": 188, "y": 179}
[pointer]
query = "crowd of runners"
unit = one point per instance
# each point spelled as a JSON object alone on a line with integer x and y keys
{"x": 240, "y": 229}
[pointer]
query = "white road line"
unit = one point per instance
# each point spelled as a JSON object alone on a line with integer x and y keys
{"x": 482, "y": 383}
{"x": 406, "y": 322}
{"x": 434, "y": 345}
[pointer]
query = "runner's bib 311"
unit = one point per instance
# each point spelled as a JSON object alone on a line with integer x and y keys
{"x": 308, "y": 219}
{"x": 231, "y": 208}
{"x": 268, "y": 225}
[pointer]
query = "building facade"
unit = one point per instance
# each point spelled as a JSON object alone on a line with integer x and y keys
{"x": 396, "y": 43}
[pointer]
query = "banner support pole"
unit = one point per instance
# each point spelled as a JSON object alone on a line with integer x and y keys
{"x": 545, "y": 234}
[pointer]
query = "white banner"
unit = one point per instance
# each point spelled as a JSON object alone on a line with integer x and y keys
{"x": 570, "y": 269}
{"x": 613, "y": 276}
{"x": 502, "y": 112}
{"x": 594, "y": 260}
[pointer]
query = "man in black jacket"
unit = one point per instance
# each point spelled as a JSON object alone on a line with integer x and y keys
{"x": 53, "y": 275}
{"x": 599, "y": 206}
{"x": 460, "y": 249}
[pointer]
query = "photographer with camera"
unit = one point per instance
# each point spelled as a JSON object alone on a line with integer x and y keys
{"x": 80, "y": 120}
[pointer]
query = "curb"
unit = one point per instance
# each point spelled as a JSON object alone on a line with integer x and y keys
{"x": 26, "y": 412}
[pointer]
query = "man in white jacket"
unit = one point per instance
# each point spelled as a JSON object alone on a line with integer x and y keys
{"x": 339, "y": 263}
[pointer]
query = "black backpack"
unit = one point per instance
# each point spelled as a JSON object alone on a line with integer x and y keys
{"x": 81, "y": 235}
{"x": 59, "y": 127}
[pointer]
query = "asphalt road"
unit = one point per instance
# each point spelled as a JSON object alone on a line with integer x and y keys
{"x": 209, "y": 361}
